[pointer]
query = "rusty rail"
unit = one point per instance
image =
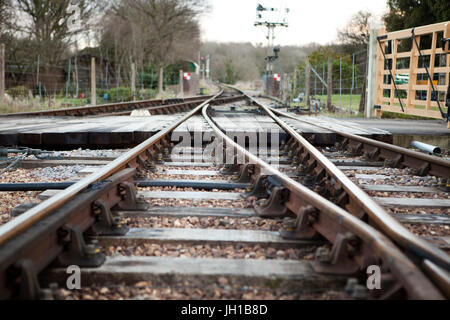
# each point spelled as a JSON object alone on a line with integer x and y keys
{"x": 349, "y": 196}
{"x": 360, "y": 203}
{"x": 156, "y": 106}
{"x": 376, "y": 150}
{"x": 55, "y": 228}
{"x": 18, "y": 225}
{"x": 356, "y": 245}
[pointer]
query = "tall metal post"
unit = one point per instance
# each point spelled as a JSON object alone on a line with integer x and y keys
{"x": 271, "y": 26}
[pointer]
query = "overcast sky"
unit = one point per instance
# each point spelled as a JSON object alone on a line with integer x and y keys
{"x": 309, "y": 20}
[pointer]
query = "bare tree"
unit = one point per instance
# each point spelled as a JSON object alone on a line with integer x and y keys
{"x": 357, "y": 31}
{"x": 171, "y": 24}
{"x": 52, "y": 25}
{"x": 4, "y": 13}
{"x": 247, "y": 60}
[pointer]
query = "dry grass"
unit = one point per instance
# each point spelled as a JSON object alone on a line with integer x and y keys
{"x": 9, "y": 105}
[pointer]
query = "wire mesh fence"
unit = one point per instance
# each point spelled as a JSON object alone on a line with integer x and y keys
{"x": 348, "y": 84}
{"x": 40, "y": 86}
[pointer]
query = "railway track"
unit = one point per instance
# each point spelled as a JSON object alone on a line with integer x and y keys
{"x": 156, "y": 106}
{"x": 148, "y": 225}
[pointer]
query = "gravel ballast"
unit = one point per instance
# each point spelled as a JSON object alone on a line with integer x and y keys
{"x": 222, "y": 290}
{"x": 226, "y": 223}
{"x": 239, "y": 251}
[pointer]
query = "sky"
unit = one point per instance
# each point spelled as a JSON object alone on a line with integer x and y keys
{"x": 309, "y": 20}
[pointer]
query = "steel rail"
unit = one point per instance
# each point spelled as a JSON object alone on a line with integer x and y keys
{"x": 15, "y": 227}
{"x": 439, "y": 167}
{"x": 389, "y": 225}
{"x": 415, "y": 282}
{"x": 111, "y": 107}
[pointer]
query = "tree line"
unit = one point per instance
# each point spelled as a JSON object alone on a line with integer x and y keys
{"x": 143, "y": 32}
{"x": 159, "y": 33}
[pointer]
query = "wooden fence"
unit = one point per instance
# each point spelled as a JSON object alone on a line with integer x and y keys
{"x": 407, "y": 60}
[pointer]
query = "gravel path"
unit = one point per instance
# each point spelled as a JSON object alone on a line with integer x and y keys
{"x": 163, "y": 176}
{"x": 222, "y": 290}
{"x": 9, "y": 200}
{"x": 163, "y": 169}
{"x": 440, "y": 211}
{"x": 89, "y": 153}
{"x": 189, "y": 189}
{"x": 253, "y": 223}
{"x": 239, "y": 251}
{"x": 427, "y": 230}
{"x": 49, "y": 174}
{"x": 210, "y": 203}
{"x": 411, "y": 195}
{"x": 400, "y": 177}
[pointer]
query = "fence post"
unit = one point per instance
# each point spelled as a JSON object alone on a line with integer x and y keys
{"x": 350, "y": 108}
{"x": 323, "y": 77}
{"x": 107, "y": 75}
{"x": 93, "y": 83}
{"x": 181, "y": 84}
{"x": 133, "y": 80}
{"x": 372, "y": 71}
{"x": 340, "y": 82}
{"x": 315, "y": 85}
{"x": 294, "y": 94}
{"x": 307, "y": 83}
{"x": 2, "y": 72}
{"x": 76, "y": 75}
{"x": 68, "y": 78}
{"x": 161, "y": 82}
{"x": 362, "y": 103}
{"x": 38, "y": 83}
{"x": 329, "y": 83}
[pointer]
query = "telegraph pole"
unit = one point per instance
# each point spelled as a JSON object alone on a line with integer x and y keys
{"x": 271, "y": 26}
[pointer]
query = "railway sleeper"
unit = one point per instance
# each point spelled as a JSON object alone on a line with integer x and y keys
{"x": 348, "y": 256}
{"x": 392, "y": 159}
{"x": 352, "y": 251}
{"x": 60, "y": 238}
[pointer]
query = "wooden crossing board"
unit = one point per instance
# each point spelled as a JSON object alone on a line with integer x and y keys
{"x": 125, "y": 131}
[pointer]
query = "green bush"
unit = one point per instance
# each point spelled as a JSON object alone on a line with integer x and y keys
{"x": 101, "y": 92}
{"x": 18, "y": 92}
{"x": 146, "y": 94}
{"x": 120, "y": 94}
{"x": 71, "y": 91}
